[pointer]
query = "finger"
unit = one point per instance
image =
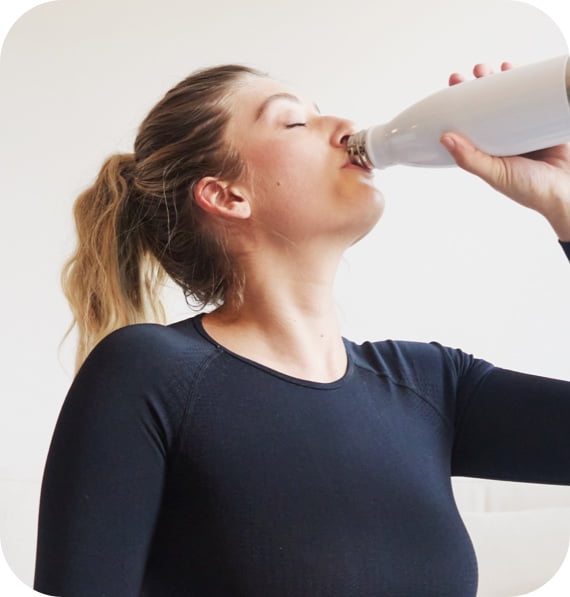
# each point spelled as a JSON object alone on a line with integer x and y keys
{"x": 482, "y": 70}
{"x": 456, "y": 78}
{"x": 471, "y": 159}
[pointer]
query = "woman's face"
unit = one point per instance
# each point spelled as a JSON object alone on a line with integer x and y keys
{"x": 300, "y": 184}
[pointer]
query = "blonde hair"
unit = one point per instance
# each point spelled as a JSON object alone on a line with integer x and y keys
{"x": 139, "y": 223}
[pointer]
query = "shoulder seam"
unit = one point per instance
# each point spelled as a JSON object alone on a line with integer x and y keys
{"x": 445, "y": 420}
{"x": 189, "y": 401}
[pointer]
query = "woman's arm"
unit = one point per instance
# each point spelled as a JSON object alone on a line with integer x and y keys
{"x": 515, "y": 427}
{"x": 105, "y": 469}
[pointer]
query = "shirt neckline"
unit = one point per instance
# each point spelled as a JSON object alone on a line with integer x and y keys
{"x": 197, "y": 321}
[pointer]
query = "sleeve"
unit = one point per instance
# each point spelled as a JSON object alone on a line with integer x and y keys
{"x": 513, "y": 426}
{"x": 104, "y": 473}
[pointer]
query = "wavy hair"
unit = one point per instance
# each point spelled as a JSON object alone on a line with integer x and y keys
{"x": 139, "y": 223}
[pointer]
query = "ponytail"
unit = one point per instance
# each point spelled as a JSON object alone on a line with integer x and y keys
{"x": 139, "y": 223}
{"x": 111, "y": 280}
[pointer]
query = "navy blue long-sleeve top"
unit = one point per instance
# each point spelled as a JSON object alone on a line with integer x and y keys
{"x": 178, "y": 468}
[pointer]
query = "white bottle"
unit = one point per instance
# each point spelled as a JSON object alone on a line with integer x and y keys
{"x": 506, "y": 113}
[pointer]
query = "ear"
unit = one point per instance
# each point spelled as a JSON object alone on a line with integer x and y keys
{"x": 222, "y": 199}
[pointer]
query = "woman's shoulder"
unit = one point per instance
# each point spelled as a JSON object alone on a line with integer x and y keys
{"x": 151, "y": 350}
{"x": 441, "y": 375}
{"x": 412, "y": 360}
{"x": 136, "y": 383}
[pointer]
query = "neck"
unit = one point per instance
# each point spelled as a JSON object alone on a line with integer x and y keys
{"x": 287, "y": 320}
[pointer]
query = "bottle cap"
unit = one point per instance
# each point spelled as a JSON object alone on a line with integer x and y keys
{"x": 356, "y": 148}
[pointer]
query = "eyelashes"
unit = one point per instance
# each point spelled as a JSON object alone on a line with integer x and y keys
{"x": 290, "y": 126}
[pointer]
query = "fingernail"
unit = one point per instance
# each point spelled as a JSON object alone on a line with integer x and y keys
{"x": 448, "y": 142}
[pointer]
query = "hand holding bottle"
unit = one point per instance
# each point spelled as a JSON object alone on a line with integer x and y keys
{"x": 539, "y": 179}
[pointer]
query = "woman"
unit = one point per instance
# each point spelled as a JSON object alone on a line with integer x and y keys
{"x": 254, "y": 451}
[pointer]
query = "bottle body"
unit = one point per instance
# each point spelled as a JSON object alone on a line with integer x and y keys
{"x": 507, "y": 113}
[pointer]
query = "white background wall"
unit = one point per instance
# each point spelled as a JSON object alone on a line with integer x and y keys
{"x": 451, "y": 260}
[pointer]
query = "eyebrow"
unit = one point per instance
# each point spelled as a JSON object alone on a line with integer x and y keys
{"x": 278, "y": 96}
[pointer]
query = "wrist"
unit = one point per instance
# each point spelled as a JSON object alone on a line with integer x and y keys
{"x": 558, "y": 217}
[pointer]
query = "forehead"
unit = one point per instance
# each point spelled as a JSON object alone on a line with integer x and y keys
{"x": 252, "y": 90}
{"x": 249, "y": 95}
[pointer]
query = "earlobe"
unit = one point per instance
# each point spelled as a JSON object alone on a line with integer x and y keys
{"x": 220, "y": 198}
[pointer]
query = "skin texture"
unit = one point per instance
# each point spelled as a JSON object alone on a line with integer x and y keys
{"x": 297, "y": 209}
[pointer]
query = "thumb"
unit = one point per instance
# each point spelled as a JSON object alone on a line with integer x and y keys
{"x": 471, "y": 159}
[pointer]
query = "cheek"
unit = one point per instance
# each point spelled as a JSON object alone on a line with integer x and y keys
{"x": 281, "y": 167}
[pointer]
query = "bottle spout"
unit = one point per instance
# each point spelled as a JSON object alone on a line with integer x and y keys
{"x": 356, "y": 148}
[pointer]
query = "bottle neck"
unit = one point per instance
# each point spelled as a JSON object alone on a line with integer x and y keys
{"x": 356, "y": 149}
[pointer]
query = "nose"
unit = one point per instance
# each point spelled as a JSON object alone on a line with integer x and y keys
{"x": 342, "y": 131}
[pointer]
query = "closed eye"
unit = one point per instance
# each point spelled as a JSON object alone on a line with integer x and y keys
{"x": 290, "y": 126}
